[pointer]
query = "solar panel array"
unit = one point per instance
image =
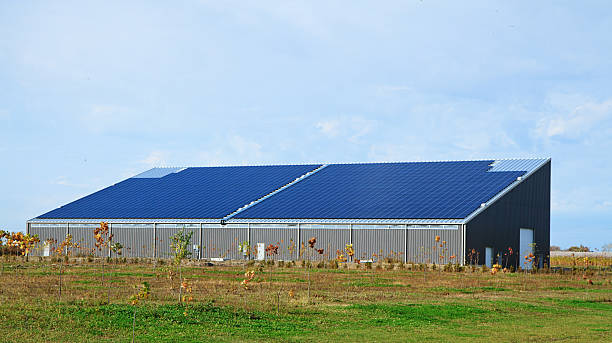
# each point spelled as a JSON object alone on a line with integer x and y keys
{"x": 204, "y": 192}
{"x": 415, "y": 190}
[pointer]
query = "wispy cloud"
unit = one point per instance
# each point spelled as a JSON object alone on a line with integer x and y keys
{"x": 577, "y": 123}
{"x": 65, "y": 181}
{"x": 156, "y": 158}
{"x": 350, "y": 128}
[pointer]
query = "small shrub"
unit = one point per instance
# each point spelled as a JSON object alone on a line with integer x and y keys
{"x": 368, "y": 265}
{"x": 321, "y": 264}
{"x": 379, "y": 266}
{"x": 280, "y": 264}
{"x": 250, "y": 263}
{"x": 333, "y": 264}
{"x": 390, "y": 266}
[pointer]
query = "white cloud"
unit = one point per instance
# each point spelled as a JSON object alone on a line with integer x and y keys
{"x": 155, "y": 158}
{"x": 64, "y": 181}
{"x": 580, "y": 121}
{"x": 328, "y": 127}
{"x": 349, "y": 128}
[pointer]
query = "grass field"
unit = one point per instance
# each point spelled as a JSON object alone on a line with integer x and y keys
{"x": 345, "y": 305}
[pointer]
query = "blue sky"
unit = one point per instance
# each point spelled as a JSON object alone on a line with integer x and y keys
{"x": 91, "y": 93}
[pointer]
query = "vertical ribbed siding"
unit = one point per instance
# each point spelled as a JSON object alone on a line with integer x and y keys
{"x": 422, "y": 246}
{"x": 164, "y": 233}
{"x": 370, "y": 241}
{"x": 376, "y": 244}
{"x": 285, "y": 237}
{"x": 330, "y": 240}
{"x": 137, "y": 239}
{"x": 223, "y": 241}
{"x": 498, "y": 226}
{"x": 47, "y": 232}
{"x": 83, "y": 235}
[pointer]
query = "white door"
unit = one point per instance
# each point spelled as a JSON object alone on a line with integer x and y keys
{"x": 489, "y": 257}
{"x": 526, "y": 247}
{"x": 261, "y": 251}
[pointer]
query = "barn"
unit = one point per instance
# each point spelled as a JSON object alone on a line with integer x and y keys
{"x": 479, "y": 211}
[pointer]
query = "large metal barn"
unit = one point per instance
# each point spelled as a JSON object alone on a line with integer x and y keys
{"x": 478, "y": 209}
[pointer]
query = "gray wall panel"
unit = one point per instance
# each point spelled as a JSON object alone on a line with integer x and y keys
{"x": 83, "y": 235}
{"x": 164, "y": 232}
{"x": 330, "y": 240}
{"x": 137, "y": 240}
{"x": 285, "y": 238}
{"x": 56, "y": 232}
{"x": 376, "y": 244}
{"x": 422, "y": 246}
{"x": 223, "y": 242}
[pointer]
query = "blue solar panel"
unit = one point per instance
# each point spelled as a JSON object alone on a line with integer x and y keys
{"x": 206, "y": 192}
{"x": 417, "y": 190}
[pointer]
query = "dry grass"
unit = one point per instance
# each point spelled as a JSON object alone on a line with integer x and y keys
{"x": 335, "y": 293}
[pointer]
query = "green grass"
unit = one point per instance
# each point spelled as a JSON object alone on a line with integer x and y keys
{"x": 345, "y": 306}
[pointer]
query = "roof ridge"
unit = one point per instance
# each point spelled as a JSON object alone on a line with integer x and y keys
{"x": 255, "y": 202}
{"x": 370, "y": 162}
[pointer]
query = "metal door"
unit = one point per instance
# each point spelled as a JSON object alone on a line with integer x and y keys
{"x": 526, "y": 248}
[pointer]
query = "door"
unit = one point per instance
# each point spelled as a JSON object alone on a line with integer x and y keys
{"x": 489, "y": 257}
{"x": 526, "y": 248}
{"x": 261, "y": 251}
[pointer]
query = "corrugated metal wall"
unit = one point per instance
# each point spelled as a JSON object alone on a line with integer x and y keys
{"x": 498, "y": 226}
{"x": 137, "y": 239}
{"x": 330, "y": 240}
{"x": 83, "y": 235}
{"x": 223, "y": 241}
{"x": 285, "y": 238}
{"x": 47, "y": 232}
{"x": 164, "y": 232}
{"x": 399, "y": 242}
{"x": 377, "y": 243}
{"x": 423, "y": 248}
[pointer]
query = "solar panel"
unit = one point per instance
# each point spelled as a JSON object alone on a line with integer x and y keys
{"x": 203, "y": 192}
{"x": 417, "y": 190}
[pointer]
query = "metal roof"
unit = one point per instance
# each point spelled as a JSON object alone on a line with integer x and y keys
{"x": 403, "y": 193}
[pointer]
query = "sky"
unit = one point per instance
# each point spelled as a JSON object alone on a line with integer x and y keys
{"x": 95, "y": 92}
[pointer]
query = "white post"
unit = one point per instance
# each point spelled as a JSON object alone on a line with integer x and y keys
{"x": 406, "y": 243}
{"x": 299, "y": 242}
{"x": 154, "y": 240}
{"x": 200, "y": 248}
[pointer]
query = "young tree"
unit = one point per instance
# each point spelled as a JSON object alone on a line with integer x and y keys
{"x": 63, "y": 249}
{"x": 103, "y": 244}
{"x": 179, "y": 243}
